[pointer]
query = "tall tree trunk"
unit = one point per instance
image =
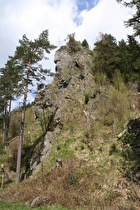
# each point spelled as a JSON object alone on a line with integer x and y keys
{"x": 22, "y": 129}
{"x": 4, "y": 123}
{"x": 8, "y": 121}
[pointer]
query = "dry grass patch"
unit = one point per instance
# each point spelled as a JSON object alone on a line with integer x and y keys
{"x": 75, "y": 185}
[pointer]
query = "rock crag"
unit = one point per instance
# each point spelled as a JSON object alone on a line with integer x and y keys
{"x": 72, "y": 95}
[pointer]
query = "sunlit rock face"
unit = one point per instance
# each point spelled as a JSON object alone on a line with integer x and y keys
{"x": 72, "y": 94}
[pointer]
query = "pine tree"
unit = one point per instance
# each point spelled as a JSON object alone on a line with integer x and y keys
{"x": 3, "y": 102}
{"x": 129, "y": 53}
{"x": 10, "y": 88}
{"x": 106, "y": 57}
{"x": 28, "y": 54}
{"x": 135, "y": 20}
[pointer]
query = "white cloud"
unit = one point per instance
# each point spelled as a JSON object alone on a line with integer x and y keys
{"x": 31, "y": 17}
{"x": 106, "y": 17}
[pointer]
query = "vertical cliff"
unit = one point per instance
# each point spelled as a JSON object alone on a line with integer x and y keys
{"x": 72, "y": 98}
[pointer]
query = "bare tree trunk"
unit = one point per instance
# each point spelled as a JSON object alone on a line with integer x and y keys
{"x": 4, "y": 123}
{"x": 22, "y": 129}
{"x": 8, "y": 121}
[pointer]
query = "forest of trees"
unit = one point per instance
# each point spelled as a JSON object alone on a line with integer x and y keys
{"x": 110, "y": 57}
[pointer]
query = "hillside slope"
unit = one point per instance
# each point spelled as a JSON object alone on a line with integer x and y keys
{"x": 79, "y": 119}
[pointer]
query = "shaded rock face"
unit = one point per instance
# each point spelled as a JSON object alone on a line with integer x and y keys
{"x": 43, "y": 152}
{"x": 73, "y": 82}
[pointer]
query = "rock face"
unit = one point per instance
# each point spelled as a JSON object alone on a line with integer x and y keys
{"x": 72, "y": 93}
{"x": 44, "y": 150}
{"x": 72, "y": 82}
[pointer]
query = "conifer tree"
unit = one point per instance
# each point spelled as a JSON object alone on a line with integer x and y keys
{"x": 106, "y": 57}
{"x": 85, "y": 44}
{"x": 129, "y": 53}
{"x": 135, "y": 20}
{"x": 10, "y": 88}
{"x": 28, "y": 54}
{"x": 3, "y": 102}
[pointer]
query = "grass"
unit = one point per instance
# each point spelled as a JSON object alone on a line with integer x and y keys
{"x": 71, "y": 187}
{"x": 7, "y": 205}
{"x": 80, "y": 182}
{"x": 4, "y": 205}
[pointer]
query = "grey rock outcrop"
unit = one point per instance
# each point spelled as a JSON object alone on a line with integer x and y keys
{"x": 72, "y": 82}
{"x": 43, "y": 152}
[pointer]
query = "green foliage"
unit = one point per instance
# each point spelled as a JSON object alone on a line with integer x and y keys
{"x": 58, "y": 147}
{"x": 131, "y": 150}
{"x": 85, "y": 44}
{"x": 9, "y": 81}
{"x": 78, "y": 182}
{"x": 32, "y": 52}
{"x": 118, "y": 81}
{"x": 129, "y": 54}
{"x": 116, "y": 106}
{"x": 101, "y": 79}
{"x": 104, "y": 62}
{"x": 113, "y": 149}
{"x": 6, "y": 205}
{"x": 9, "y": 88}
{"x": 73, "y": 44}
{"x": 28, "y": 54}
{"x": 110, "y": 57}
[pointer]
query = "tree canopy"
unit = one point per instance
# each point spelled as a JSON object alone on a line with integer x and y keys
{"x": 109, "y": 56}
{"x": 106, "y": 57}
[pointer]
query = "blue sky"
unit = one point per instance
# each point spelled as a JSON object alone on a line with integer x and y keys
{"x": 85, "y": 18}
{"x": 84, "y": 5}
{"x": 89, "y": 4}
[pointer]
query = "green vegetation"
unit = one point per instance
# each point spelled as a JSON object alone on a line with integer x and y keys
{"x": 73, "y": 45}
{"x": 91, "y": 156}
{"x": 87, "y": 97}
{"x": 125, "y": 59}
{"x": 100, "y": 159}
{"x": 6, "y": 205}
{"x": 112, "y": 149}
{"x": 85, "y": 44}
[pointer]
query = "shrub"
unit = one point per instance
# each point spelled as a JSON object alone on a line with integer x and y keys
{"x": 101, "y": 79}
{"x": 112, "y": 149}
{"x": 58, "y": 147}
{"x": 87, "y": 97}
{"x": 118, "y": 81}
{"x": 82, "y": 147}
{"x": 73, "y": 44}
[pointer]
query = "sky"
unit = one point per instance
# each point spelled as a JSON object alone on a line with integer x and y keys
{"x": 85, "y": 18}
